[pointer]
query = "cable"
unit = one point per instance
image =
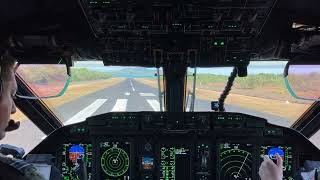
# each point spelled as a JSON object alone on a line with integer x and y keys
{"x": 227, "y": 89}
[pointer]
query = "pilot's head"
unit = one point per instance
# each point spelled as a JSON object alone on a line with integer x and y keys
{"x": 8, "y": 88}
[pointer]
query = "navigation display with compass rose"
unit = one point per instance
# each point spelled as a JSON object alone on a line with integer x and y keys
{"x": 115, "y": 160}
{"x": 235, "y": 161}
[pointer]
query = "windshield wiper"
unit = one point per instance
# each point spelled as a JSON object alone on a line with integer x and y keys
{"x": 219, "y": 105}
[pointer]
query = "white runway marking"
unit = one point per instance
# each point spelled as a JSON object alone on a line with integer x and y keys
{"x": 127, "y": 94}
{"x": 154, "y": 104}
{"x": 147, "y": 94}
{"x": 132, "y": 86}
{"x": 121, "y": 105}
{"x": 188, "y": 105}
{"x": 86, "y": 112}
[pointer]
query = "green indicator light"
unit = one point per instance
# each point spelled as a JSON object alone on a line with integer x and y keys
{"x": 215, "y": 43}
{"x": 222, "y": 43}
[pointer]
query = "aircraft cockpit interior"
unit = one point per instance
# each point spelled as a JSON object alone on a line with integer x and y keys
{"x": 164, "y": 90}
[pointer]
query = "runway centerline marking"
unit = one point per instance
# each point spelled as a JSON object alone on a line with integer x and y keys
{"x": 86, "y": 112}
{"x": 120, "y": 106}
{"x": 132, "y": 86}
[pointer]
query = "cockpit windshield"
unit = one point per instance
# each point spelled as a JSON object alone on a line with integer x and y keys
{"x": 97, "y": 89}
{"x": 262, "y": 93}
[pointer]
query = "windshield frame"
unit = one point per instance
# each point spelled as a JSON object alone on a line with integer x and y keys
{"x": 36, "y": 110}
{"x": 307, "y": 123}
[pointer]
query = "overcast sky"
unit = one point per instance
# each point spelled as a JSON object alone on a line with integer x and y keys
{"x": 255, "y": 67}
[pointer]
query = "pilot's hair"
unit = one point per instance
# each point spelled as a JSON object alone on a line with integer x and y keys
{"x": 6, "y": 63}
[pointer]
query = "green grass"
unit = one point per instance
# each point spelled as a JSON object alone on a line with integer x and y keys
{"x": 83, "y": 74}
{"x": 209, "y": 78}
{"x": 249, "y": 82}
{"x": 260, "y": 80}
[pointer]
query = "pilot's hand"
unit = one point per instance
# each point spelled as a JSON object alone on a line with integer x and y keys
{"x": 271, "y": 171}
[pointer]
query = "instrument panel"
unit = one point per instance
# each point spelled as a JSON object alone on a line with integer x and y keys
{"x": 174, "y": 146}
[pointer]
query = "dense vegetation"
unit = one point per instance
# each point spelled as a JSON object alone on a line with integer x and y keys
{"x": 83, "y": 74}
{"x": 249, "y": 82}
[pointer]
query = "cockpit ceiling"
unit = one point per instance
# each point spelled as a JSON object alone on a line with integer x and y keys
{"x": 199, "y": 33}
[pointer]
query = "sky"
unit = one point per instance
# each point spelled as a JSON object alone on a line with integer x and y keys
{"x": 255, "y": 67}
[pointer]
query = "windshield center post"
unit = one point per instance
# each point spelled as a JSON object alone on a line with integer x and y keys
{"x": 175, "y": 91}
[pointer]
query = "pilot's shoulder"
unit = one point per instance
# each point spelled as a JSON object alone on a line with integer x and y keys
{"x": 18, "y": 169}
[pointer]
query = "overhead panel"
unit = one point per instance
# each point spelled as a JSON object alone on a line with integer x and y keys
{"x": 217, "y": 32}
